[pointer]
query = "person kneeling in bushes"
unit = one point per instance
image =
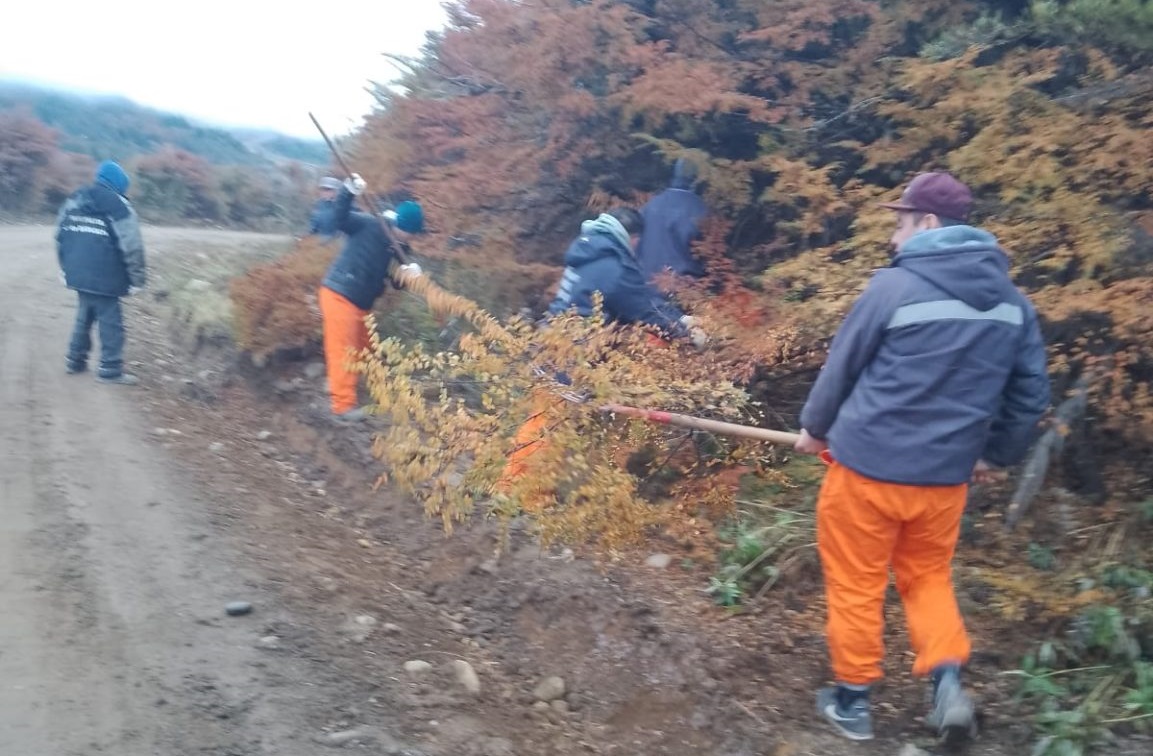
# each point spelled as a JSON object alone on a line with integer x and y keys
{"x": 602, "y": 258}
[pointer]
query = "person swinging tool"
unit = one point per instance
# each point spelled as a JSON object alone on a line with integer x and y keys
{"x": 353, "y": 283}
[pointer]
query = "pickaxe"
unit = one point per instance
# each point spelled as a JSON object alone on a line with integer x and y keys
{"x": 398, "y": 249}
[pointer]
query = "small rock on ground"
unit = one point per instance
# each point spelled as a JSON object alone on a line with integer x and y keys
{"x": 346, "y": 737}
{"x": 550, "y": 689}
{"x": 269, "y": 643}
{"x": 417, "y": 667}
{"x": 237, "y": 608}
{"x": 466, "y": 676}
{"x": 659, "y": 561}
{"x": 911, "y": 750}
{"x": 360, "y": 628}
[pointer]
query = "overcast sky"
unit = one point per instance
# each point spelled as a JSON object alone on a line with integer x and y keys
{"x": 233, "y": 62}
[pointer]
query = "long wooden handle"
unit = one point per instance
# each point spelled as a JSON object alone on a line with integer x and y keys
{"x": 700, "y": 423}
{"x": 396, "y": 246}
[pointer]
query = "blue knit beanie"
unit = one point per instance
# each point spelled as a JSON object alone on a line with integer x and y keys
{"x": 410, "y": 217}
{"x": 113, "y": 176}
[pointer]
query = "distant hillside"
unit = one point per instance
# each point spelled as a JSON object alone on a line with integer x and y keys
{"x": 115, "y": 127}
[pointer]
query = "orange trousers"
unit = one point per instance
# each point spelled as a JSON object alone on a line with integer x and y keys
{"x": 529, "y": 440}
{"x": 864, "y": 527}
{"x": 345, "y": 333}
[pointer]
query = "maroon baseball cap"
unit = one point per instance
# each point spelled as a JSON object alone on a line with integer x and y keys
{"x": 936, "y": 193}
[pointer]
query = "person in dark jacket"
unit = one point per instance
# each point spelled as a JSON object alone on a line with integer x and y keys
{"x": 937, "y": 375}
{"x": 672, "y": 223}
{"x": 101, "y": 256}
{"x": 354, "y": 281}
{"x": 321, "y": 222}
{"x": 602, "y": 259}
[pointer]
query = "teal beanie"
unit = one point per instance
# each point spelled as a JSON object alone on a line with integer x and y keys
{"x": 410, "y": 217}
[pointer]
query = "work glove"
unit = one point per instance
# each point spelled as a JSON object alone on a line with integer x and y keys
{"x": 697, "y": 335}
{"x": 410, "y": 270}
{"x": 355, "y": 184}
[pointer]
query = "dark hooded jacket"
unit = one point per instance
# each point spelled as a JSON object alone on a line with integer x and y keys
{"x": 940, "y": 363}
{"x": 98, "y": 242}
{"x": 600, "y": 260}
{"x": 672, "y": 223}
{"x": 361, "y": 270}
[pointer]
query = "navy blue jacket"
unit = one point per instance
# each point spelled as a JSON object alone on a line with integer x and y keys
{"x": 361, "y": 270}
{"x": 98, "y": 242}
{"x": 940, "y": 363}
{"x": 600, "y": 262}
{"x": 672, "y": 223}
{"x": 322, "y": 219}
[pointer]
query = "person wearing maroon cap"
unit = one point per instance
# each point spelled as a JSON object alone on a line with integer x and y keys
{"x": 936, "y": 377}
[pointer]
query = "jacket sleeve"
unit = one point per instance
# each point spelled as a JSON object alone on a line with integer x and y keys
{"x": 343, "y": 216}
{"x": 1023, "y": 401}
{"x": 644, "y": 304}
{"x": 60, "y": 216}
{"x": 125, "y": 228}
{"x": 853, "y": 347}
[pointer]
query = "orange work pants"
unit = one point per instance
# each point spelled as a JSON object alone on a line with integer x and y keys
{"x": 864, "y": 526}
{"x": 345, "y": 334}
{"x": 529, "y": 440}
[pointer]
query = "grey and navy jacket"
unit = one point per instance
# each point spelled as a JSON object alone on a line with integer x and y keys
{"x": 600, "y": 260}
{"x": 361, "y": 270}
{"x": 98, "y": 242}
{"x": 940, "y": 363}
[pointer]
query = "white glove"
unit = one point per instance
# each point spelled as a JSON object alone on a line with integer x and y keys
{"x": 355, "y": 184}
{"x": 134, "y": 290}
{"x": 411, "y": 270}
{"x": 697, "y": 334}
{"x": 63, "y": 278}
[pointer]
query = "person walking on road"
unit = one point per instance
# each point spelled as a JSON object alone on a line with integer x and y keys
{"x": 101, "y": 256}
{"x": 936, "y": 378}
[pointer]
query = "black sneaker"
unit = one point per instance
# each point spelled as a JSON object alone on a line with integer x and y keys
{"x": 953, "y": 716}
{"x": 72, "y": 368}
{"x": 124, "y": 379}
{"x": 351, "y": 417}
{"x": 854, "y": 722}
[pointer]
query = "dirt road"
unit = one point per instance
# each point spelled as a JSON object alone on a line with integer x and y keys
{"x": 113, "y": 579}
{"x": 120, "y": 547}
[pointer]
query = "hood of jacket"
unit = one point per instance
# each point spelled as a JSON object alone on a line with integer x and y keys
{"x": 600, "y": 238}
{"x": 965, "y": 262}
